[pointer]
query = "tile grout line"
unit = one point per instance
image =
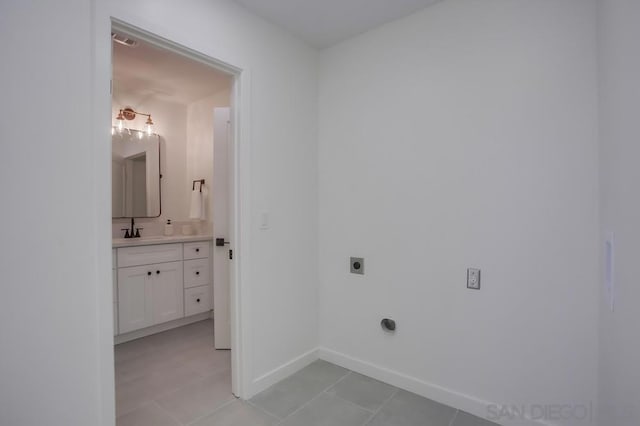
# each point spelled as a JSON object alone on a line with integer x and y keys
{"x": 257, "y": 407}
{"x": 194, "y": 421}
{"x": 349, "y": 402}
{"x": 453, "y": 419}
{"x": 315, "y": 397}
{"x": 153, "y": 401}
{"x": 164, "y": 393}
{"x": 375, "y": 413}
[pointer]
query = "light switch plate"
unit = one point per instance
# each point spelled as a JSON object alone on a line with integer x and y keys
{"x": 473, "y": 278}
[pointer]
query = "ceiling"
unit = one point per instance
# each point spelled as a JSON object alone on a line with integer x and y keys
{"x": 146, "y": 72}
{"x": 322, "y": 23}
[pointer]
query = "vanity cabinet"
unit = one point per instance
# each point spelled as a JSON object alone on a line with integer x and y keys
{"x": 149, "y": 295}
{"x": 160, "y": 283}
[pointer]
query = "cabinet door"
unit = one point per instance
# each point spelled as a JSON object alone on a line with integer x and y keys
{"x": 168, "y": 292}
{"x": 134, "y": 298}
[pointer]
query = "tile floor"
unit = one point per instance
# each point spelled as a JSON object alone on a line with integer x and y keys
{"x": 176, "y": 378}
{"x": 171, "y": 378}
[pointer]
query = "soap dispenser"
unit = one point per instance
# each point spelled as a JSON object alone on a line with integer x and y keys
{"x": 168, "y": 228}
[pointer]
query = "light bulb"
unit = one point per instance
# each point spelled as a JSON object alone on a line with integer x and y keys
{"x": 120, "y": 125}
{"x": 139, "y": 135}
{"x": 149, "y": 124}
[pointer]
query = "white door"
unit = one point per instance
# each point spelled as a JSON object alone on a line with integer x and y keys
{"x": 168, "y": 292}
{"x": 134, "y": 298}
{"x": 220, "y": 208}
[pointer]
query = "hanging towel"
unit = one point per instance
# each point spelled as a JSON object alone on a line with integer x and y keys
{"x": 197, "y": 205}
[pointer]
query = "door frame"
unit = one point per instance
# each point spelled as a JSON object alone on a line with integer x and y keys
{"x": 239, "y": 198}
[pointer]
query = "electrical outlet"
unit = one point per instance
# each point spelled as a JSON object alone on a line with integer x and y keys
{"x": 473, "y": 278}
{"x": 356, "y": 265}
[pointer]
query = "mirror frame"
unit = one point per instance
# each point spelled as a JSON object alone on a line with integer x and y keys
{"x": 159, "y": 176}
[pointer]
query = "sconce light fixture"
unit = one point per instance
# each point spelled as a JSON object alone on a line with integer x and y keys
{"x": 129, "y": 114}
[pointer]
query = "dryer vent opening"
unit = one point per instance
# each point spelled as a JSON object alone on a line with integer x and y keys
{"x": 388, "y": 325}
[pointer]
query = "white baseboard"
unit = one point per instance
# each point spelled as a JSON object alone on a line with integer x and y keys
{"x": 283, "y": 371}
{"x": 461, "y": 401}
{"x": 133, "y": 335}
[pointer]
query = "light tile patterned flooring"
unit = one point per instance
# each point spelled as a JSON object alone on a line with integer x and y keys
{"x": 176, "y": 378}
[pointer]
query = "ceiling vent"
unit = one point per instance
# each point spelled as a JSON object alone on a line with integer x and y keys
{"x": 124, "y": 40}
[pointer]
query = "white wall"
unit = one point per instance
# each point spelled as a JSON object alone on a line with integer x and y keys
{"x": 464, "y": 136}
{"x": 280, "y": 276}
{"x": 50, "y": 351}
{"x": 200, "y": 144}
{"x": 619, "y": 94}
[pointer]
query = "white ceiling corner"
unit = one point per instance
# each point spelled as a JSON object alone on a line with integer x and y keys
{"x": 322, "y": 23}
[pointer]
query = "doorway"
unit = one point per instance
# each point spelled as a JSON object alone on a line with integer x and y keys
{"x": 224, "y": 121}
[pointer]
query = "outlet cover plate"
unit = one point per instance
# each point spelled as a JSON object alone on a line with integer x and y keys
{"x": 473, "y": 278}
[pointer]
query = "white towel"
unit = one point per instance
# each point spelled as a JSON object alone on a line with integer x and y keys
{"x": 197, "y": 205}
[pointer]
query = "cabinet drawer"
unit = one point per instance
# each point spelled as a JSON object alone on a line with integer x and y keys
{"x": 199, "y": 250}
{"x": 196, "y": 272}
{"x": 146, "y": 255}
{"x": 197, "y": 300}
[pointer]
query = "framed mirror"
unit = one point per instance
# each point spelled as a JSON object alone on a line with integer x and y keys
{"x": 135, "y": 174}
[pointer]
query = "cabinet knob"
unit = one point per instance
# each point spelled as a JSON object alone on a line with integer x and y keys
{"x": 197, "y": 250}
{"x": 198, "y": 300}
{"x": 149, "y": 273}
{"x": 197, "y": 272}
{"x": 157, "y": 272}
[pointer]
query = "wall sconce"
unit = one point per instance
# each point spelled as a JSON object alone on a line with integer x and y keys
{"x": 129, "y": 114}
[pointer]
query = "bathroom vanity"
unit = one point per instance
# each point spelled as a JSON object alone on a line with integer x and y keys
{"x": 160, "y": 283}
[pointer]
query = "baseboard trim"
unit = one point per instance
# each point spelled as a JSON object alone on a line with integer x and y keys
{"x": 464, "y": 402}
{"x": 282, "y": 372}
{"x": 137, "y": 334}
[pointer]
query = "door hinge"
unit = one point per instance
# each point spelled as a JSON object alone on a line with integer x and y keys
{"x": 230, "y": 254}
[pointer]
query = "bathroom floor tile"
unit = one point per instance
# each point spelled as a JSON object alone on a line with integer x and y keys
{"x": 199, "y": 398}
{"x": 408, "y": 409}
{"x": 147, "y": 415}
{"x": 328, "y": 410}
{"x": 151, "y": 367}
{"x": 131, "y": 395}
{"x": 285, "y": 397}
{"x": 364, "y": 391}
{"x": 237, "y": 413}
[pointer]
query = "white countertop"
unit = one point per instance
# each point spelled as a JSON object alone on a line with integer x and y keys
{"x": 158, "y": 239}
